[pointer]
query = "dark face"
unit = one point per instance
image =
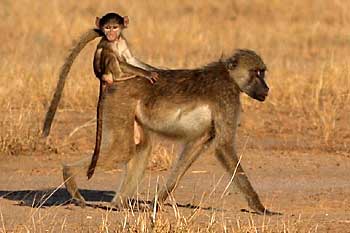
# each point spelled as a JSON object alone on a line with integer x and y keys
{"x": 257, "y": 88}
{"x": 248, "y": 71}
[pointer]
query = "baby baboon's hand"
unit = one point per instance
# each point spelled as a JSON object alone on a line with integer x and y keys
{"x": 108, "y": 78}
{"x": 154, "y": 77}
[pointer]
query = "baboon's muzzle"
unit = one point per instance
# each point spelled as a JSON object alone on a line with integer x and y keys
{"x": 261, "y": 96}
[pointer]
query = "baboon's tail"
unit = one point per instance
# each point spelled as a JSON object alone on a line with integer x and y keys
{"x": 83, "y": 40}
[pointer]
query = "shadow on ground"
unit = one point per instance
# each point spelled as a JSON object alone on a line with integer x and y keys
{"x": 54, "y": 197}
{"x": 60, "y": 197}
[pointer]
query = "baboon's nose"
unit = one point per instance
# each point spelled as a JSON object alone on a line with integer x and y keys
{"x": 267, "y": 91}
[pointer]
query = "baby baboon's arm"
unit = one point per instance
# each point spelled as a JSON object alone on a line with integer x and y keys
{"x": 130, "y": 58}
{"x": 123, "y": 71}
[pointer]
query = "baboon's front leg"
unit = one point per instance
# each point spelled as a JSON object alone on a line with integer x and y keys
{"x": 187, "y": 156}
{"x": 229, "y": 160}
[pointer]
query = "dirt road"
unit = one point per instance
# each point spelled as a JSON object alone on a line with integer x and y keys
{"x": 310, "y": 188}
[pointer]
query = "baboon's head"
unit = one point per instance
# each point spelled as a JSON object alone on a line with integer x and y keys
{"x": 248, "y": 71}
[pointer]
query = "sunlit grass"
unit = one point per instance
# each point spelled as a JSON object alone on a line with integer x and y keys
{"x": 305, "y": 46}
{"x": 305, "y": 51}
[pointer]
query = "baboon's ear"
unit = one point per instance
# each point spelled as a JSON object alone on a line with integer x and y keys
{"x": 97, "y": 22}
{"x": 231, "y": 64}
{"x": 126, "y": 21}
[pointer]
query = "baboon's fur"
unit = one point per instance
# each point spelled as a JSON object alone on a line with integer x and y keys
{"x": 198, "y": 107}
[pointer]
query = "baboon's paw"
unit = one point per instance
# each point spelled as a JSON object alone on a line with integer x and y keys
{"x": 79, "y": 202}
{"x": 270, "y": 213}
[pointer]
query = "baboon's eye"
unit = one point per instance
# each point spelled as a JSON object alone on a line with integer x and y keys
{"x": 260, "y": 73}
{"x": 231, "y": 64}
{"x": 115, "y": 27}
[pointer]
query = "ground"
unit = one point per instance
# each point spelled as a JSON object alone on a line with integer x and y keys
{"x": 295, "y": 146}
{"x": 309, "y": 186}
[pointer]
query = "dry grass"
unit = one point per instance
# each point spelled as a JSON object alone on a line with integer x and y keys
{"x": 134, "y": 219}
{"x": 304, "y": 44}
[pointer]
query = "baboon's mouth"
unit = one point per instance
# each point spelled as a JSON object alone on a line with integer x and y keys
{"x": 111, "y": 37}
{"x": 261, "y": 97}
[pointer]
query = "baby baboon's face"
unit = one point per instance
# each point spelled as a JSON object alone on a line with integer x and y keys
{"x": 112, "y": 30}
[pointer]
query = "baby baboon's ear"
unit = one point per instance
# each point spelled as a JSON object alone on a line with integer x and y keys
{"x": 97, "y": 22}
{"x": 126, "y": 21}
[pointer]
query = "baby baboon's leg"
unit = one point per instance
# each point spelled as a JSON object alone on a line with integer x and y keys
{"x": 229, "y": 160}
{"x": 135, "y": 169}
{"x": 187, "y": 156}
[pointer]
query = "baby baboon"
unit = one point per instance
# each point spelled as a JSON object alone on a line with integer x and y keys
{"x": 109, "y": 68}
{"x": 198, "y": 107}
{"x": 110, "y": 27}
{"x": 109, "y": 65}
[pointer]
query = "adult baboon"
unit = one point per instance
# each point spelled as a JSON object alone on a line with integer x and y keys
{"x": 198, "y": 107}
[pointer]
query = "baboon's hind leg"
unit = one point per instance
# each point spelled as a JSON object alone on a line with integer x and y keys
{"x": 71, "y": 170}
{"x": 69, "y": 173}
{"x": 117, "y": 142}
{"x": 135, "y": 169}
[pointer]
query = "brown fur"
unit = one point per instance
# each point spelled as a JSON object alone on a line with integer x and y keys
{"x": 199, "y": 107}
{"x": 109, "y": 66}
